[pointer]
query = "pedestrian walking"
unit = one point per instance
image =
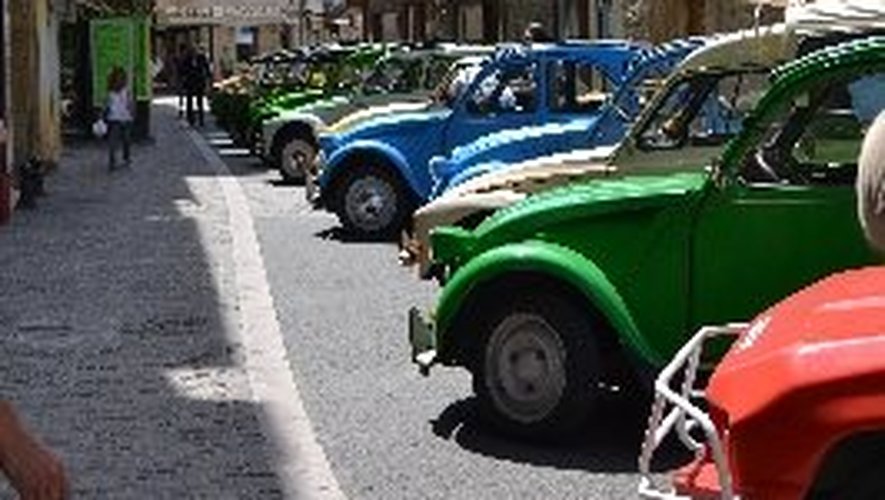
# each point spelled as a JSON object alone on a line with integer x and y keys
{"x": 118, "y": 115}
{"x": 179, "y": 60}
{"x": 197, "y": 75}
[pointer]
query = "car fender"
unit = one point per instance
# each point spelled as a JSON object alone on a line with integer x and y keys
{"x": 340, "y": 160}
{"x": 554, "y": 261}
{"x": 305, "y": 124}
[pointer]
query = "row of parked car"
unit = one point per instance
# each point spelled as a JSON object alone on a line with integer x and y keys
{"x": 587, "y": 205}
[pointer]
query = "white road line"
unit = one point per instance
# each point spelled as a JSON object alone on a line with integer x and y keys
{"x": 304, "y": 469}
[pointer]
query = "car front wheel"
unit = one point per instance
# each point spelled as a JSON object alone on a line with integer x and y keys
{"x": 538, "y": 368}
{"x": 295, "y": 159}
{"x": 372, "y": 203}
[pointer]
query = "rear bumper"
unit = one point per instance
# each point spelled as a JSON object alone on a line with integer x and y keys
{"x": 422, "y": 339}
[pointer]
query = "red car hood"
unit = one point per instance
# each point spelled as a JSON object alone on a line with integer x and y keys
{"x": 830, "y": 331}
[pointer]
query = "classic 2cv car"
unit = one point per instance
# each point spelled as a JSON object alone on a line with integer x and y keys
{"x": 731, "y": 69}
{"x": 374, "y": 175}
{"x": 407, "y": 76}
{"x": 548, "y": 300}
{"x": 794, "y": 410}
{"x": 622, "y": 105}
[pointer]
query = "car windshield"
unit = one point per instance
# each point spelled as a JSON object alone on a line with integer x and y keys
{"x": 394, "y": 74}
{"x": 511, "y": 88}
{"x": 816, "y": 139}
{"x": 644, "y": 90}
{"x": 703, "y": 109}
{"x": 454, "y": 82}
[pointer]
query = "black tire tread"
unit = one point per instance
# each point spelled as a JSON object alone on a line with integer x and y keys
{"x": 576, "y": 329}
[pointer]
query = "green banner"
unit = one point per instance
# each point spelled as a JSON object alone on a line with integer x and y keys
{"x": 123, "y": 42}
{"x": 142, "y": 59}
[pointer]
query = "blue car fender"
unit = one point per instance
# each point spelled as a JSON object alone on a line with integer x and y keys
{"x": 384, "y": 154}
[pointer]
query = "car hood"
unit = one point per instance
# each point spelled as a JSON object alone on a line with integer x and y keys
{"x": 538, "y": 174}
{"x": 311, "y": 110}
{"x": 832, "y": 330}
{"x": 390, "y": 124}
{"x": 511, "y": 145}
{"x": 585, "y": 199}
{"x": 357, "y": 118}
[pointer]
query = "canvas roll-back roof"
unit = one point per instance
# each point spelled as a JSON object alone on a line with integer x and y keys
{"x": 836, "y": 15}
{"x": 765, "y": 46}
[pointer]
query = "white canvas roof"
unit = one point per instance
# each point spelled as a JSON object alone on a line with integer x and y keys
{"x": 766, "y": 46}
{"x": 836, "y": 15}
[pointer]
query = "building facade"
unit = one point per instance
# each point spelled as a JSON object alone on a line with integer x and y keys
{"x": 232, "y": 31}
{"x": 506, "y": 20}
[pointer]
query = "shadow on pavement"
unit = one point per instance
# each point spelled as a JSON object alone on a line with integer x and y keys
{"x": 286, "y": 183}
{"x": 116, "y": 333}
{"x": 339, "y": 234}
{"x": 608, "y": 443}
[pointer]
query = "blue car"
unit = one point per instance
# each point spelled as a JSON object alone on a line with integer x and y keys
{"x": 509, "y": 146}
{"x": 374, "y": 175}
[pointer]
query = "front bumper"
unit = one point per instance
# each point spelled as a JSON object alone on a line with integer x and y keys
{"x": 312, "y": 180}
{"x": 675, "y": 409}
{"x": 422, "y": 338}
{"x": 265, "y": 144}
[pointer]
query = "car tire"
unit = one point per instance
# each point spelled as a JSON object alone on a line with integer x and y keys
{"x": 372, "y": 203}
{"x": 538, "y": 365}
{"x": 869, "y": 483}
{"x": 295, "y": 157}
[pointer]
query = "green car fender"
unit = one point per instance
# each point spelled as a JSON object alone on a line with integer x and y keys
{"x": 549, "y": 259}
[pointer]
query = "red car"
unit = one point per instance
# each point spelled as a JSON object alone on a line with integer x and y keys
{"x": 796, "y": 408}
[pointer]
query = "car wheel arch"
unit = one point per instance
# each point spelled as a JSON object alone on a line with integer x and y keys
{"x": 344, "y": 164}
{"x": 552, "y": 264}
{"x": 844, "y": 459}
{"x": 297, "y": 129}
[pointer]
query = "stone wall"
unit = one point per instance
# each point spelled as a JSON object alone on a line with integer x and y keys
{"x": 34, "y": 106}
{"x": 660, "y": 20}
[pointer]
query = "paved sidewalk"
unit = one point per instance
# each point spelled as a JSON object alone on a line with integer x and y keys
{"x": 117, "y": 304}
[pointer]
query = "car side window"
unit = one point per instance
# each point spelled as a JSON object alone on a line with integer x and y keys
{"x": 704, "y": 110}
{"x": 505, "y": 90}
{"x": 817, "y": 140}
{"x": 577, "y": 87}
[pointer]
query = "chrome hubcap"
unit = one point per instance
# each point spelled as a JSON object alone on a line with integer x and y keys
{"x": 525, "y": 368}
{"x": 297, "y": 158}
{"x": 370, "y": 203}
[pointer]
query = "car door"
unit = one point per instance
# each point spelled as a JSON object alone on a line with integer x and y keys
{"x": 578, "y": 91}
{"x": 504, "y": 96}
{"x": 790, "y": 216}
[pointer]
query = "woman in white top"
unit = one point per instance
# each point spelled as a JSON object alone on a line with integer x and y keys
{"x": 119, "y": 116}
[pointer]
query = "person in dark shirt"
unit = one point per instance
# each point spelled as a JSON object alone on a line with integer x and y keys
{"x": 196, "y": 76}
{"x": 535, "y": 33}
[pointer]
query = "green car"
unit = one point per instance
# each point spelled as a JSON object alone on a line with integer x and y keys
{"x": 581, "y": 289}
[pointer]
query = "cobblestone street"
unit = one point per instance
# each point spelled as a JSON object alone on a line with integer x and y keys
{"x": 115, "y": 328}
{"x": 127, "y": 340}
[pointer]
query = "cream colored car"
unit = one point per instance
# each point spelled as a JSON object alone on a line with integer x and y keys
{"x": 687, "y": 122}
